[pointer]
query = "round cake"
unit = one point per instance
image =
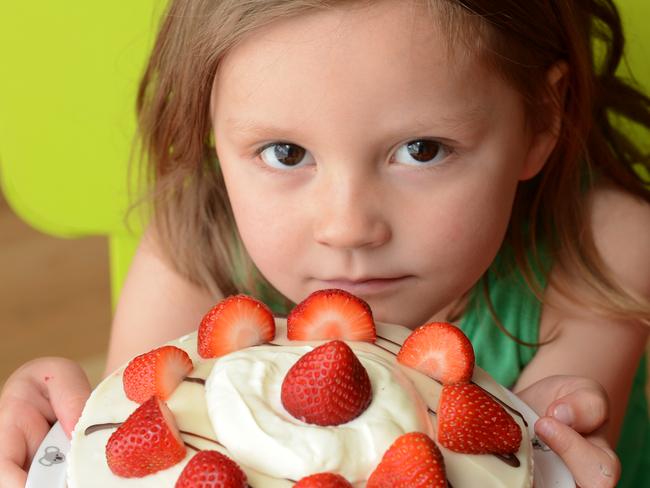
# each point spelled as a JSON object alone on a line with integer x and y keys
{"x": 239, "y": 404}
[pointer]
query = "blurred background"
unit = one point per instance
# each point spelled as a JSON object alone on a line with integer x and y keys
{"x": 54, "y": 296}
{"x": 68, "y": 83}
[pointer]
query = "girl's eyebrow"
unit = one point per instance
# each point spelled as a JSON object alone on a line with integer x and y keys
{"x": 471, "y": 116}
{"x": 247, "y": 126}
{"x": 467, "y": 119}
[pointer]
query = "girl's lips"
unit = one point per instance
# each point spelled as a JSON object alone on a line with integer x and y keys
{"x": 365, "y": 286}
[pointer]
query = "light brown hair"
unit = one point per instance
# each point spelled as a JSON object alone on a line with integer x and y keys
{"x": 518, "y": 40}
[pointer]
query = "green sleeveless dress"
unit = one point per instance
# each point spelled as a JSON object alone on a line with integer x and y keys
{"x": 519, "y": 311}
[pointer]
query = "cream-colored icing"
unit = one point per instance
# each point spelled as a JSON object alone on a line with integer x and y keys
{"x": 243, "y": 397}
{"x": 108, "y": 403}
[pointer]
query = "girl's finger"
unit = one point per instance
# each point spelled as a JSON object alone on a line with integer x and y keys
{"x": 592, "y": 463}
{"x": 12, "y": 475}
{"x": 67, "y": 387}
{"x": 34, "y": 427}
{"x": 13, "y": 458}
{"x": 584, "y": 410}
{"x": 23, "y": 429}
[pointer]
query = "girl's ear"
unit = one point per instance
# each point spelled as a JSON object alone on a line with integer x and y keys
{"x": 544, "y": 140}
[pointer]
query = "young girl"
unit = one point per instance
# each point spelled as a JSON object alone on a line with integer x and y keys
{"x": 444, "y": 160}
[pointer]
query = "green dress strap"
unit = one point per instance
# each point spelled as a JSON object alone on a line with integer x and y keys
{"x": 519, "y": 312}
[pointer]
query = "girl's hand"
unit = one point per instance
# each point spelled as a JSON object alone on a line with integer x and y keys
{"x": 34, "y": 397}
{"x": 573, "y": 409}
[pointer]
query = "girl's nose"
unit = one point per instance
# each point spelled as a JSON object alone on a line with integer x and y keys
{"x": 350, "y": 216}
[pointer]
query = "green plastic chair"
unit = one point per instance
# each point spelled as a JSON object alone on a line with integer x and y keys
{"x": 67, "y": 95}
{"x": 67, "y": 115}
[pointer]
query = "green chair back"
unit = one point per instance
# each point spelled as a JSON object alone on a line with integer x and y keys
{"x": 67, "y": 94}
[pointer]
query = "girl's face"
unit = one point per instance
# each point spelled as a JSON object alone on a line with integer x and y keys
{"x": 359, "y": 152}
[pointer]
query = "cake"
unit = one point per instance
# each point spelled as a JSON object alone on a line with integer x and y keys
{"x": 240, "y": 403}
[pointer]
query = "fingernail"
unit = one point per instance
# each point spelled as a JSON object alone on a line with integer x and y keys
{"x": 545, "y": 428}
{"x": 564, "y": 414}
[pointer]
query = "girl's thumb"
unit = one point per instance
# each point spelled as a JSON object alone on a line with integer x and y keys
{"x": 585, "y": 409}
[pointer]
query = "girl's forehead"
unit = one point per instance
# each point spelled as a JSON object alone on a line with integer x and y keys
{"x": 353, "y": 22}
{"x": 393, "y": 51}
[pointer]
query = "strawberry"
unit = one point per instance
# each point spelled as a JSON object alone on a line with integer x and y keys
{"x": 156, "y": 372}
{"x": 235, "y": 323}
{"x": 327, "y": 386}
{"x": 412, "y": 461}
{"x": 323, "y": 480}
{"x": 331, "y": 314}
{"x": 211, "y": 469}
{"x": 439, "y": 350}
{"x": 147, "y": 442}
{"x": 472, "y": 422}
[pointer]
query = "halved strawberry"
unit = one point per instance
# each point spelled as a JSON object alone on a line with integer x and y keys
{"x": 323, "y": 480}
{"x": 439, "y": 350}
{"x": 156, "y": 372}
{"x": 211, "y": 469}
{"x": 236, "y": 322}
{"x": 327, "y": 386}
{"x": 412, "y": 461}
{"x": 331, "y": 314}
{"x": 472, "y": 422}
{"x": 147, "y": 442}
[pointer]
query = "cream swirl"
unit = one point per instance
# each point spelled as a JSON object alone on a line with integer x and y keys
{"x": 243, "y": 399}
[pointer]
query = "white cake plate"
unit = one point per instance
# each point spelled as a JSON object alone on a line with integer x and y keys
{"x": 49, "y": 463}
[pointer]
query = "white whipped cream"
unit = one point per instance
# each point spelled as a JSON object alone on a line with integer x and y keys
{"x": 243, "y": 399}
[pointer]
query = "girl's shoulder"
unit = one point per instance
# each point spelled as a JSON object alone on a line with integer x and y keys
{"x": 156, "y": 305}
{"x": 620, "y": 223}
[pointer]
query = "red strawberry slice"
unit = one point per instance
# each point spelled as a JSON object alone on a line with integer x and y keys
{"x": 472, "y": 422}
{"x": 439, "y": 350}
{"x": 412, "y": 461}
{"x": 327, "y": 386}
{"x": 147, "y": 442}
{"x": 235, "y": 323}
{"x": 331, "y": 314}
{"x": 323, "y": 480}
{"x": 211, "y": 469}
{"x": 156, "y": 372}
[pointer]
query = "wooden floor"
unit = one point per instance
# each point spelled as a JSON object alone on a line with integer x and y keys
{"x": 54, "y": 297}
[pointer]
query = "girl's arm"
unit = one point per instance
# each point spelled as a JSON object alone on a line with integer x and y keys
{"x": 584, "y": 343}
{"x": 156, "y": 305}
{"x": 587, "y": 344}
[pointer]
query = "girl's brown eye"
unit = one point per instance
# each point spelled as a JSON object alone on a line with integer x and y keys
{"x": 421, "y": 152}
{"x": 288, "y": 154}
{"x": 284, "y": 155}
